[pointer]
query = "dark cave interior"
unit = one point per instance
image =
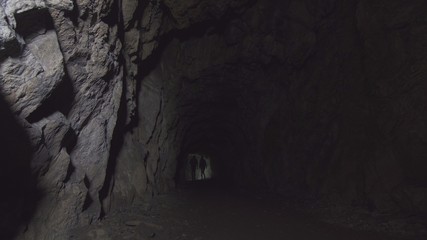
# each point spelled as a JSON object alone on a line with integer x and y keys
{"x": 119, "y": 107}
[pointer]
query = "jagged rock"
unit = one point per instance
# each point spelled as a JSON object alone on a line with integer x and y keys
{"x": 132, "y": 43}
{"x": 40, "y": 157}
{"x": 126, "y": 184}
{"x": 27, "y": 81}
{"x": 54, "y": 130}
{"x": 96, "y": 77}
{"x": 9, "y": 43}
{"x": 57, "y": 172}
{"x": 128, "y": 11}
{"x": 60, "y": 4}
{"x": 152, "y": 19}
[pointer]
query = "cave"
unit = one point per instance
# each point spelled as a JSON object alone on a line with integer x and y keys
{"x": 225, "y": 119}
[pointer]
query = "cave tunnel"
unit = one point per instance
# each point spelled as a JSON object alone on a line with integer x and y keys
{"x": 225, "y": 119}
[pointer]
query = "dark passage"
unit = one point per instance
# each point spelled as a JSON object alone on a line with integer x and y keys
{"x": 211, "y": 211}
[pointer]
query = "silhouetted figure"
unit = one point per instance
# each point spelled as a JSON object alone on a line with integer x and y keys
{"x": 202, "y": 166}
{"x": 193, "y": 164}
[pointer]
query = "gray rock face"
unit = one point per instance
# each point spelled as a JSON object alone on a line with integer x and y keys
{"x": 60, "y": 4}
{"x": 80, "y": 61}
{"x": 8, "y": 38}
{"x": 29, "y": 80}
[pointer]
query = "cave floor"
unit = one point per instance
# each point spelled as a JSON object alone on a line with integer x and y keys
{"x": 205, "y": 212}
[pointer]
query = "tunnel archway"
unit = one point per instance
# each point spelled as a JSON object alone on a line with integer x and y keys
{"x": 223, "y": 141}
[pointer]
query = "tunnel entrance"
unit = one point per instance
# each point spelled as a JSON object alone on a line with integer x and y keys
{"x": 198, "y": 167}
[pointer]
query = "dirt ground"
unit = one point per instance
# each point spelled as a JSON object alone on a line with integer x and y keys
{"x": 203, "y": 211}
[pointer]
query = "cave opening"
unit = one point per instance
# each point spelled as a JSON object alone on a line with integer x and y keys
{"x": 220, "y": 143}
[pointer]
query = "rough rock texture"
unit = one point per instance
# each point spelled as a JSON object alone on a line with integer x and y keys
{"x": 29, "y": 80}
{"x": 64, "y": 83}
{"x": 103, "y": 100}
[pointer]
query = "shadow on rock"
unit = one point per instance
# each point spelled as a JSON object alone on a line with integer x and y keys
{"x": 19, "y": 193}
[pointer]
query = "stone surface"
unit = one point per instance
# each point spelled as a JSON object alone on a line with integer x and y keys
{"x": 60, "y": 4}
{"x": 62, "y": 130}
{"x": 55, "y": 129}
{"x": 8, "y": 39}
{"x": 29, "y": 80}
{"x": 128, "y": 10}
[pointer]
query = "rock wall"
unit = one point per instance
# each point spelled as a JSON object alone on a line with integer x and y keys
{"x": 62, "y": 76}
{"x": 102, "y": 101}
